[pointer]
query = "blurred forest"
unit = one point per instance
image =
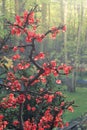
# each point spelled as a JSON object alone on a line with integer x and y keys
{"x": 69, "y": 47}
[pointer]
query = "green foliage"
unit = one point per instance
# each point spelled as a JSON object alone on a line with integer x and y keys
{"x": 10, "y": 115}
{"x": 2, "y": 31}
{"x": 80, "y": 101}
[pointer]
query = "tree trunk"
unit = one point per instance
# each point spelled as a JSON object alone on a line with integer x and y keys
{"x": 65, "y": 34}
{"x": 16, "y": 6}
{"x": 77, "y": 60}
{"x": 70, "y": 82}
{"x": 64, "y": 21}
{"x": 3, "y": 13}
{"x": 44, "y": 24}
{"x": 70, "y": 86}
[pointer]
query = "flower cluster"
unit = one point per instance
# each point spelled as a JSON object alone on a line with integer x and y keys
{"x": 3, "y": 124}
{"x": 12, "y": 101}
{"x": 56, "y": 31}
{"x": 9, "y": 101}
{"x": 22, "y": 66}
{"x": 13, "y": 83}
{"x": 41, "y": 55}
{"x": 66, "y": 69}
{"x": 44, "y": 108}
{"x": 21, "y": 49}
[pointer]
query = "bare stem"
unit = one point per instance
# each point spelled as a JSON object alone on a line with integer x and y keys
{"x": 21, "y": 116}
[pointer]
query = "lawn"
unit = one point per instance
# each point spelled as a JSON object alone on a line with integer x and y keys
{"x": 80, "y": 98}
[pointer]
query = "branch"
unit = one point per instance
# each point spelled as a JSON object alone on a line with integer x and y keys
{"x": 58, "y": 28}
{"x": 21, "y": 117}
{"x": 26, "y": 23}
{"x": 19, "y": 46}
{"x": 4, "y": 85}
{"x": 67, "y": 104}
{"x": 36, "y": 77}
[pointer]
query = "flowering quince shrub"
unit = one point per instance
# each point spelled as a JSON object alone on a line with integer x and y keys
{"x": 38, "y": 108}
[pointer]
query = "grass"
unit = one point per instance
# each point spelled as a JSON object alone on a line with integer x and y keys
{"x": 80, "y": 98}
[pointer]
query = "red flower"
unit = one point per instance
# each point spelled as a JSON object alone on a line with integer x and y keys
{"x": 70, "y": 108}
{"x": 15, "y": 48}
{"x": 20, "y": 66}
{"x": 54, "y": 32}
{"x": 28, "y": 107}
{"x": 40, "y": 37}
{"x": 41, "y": 55}
{"x": 59, "y": 93}
{"x": 5, "y": 124}
{"x": 43, "y": 80}
{"x": 11, "y": 95}
{"x": 31, "y": 34}
{"x": 62, "y": 104}
{"x": 34, "y": 27}
{"x": 58, "y": 81}
{"x": 50, "y": 98}
{"x": 15, "y": 122}
{"x": 41, "y": 128}
{"x": 31, "y": 18}
{"x": 21, "y": 98}
{"x": 27, "y": 65}
{"x": 60, "y": 125}
{"x": 13, "y": 30}
{"x": 18, "y": 20}
{"x": 65, "y": 68}
{"x": 5, "y": 47}
{"x": 53, "y": 35}
{"x": 29, "y": 97}
{"x": 46, "y": 96}
{"x": 41, "y": 89}
{"x": 38, "y": 100}
{"x": 55, "y": 73}
{"x": 33, "y": 109}
{"x": 1, "y": 116}
{"x": 25, "y": 15}
{"x": 24, "y": 78}
{"x": 8, "y": 102}
{"x": 22, "y": 49}
{"x": 18, "y": 32}
{"x": 53, "y": 63}
{"x": 60, "y": 67}
{"x": 10, "y": 76}
{"x": 64, "y": 28}
{"x": 47, "y": 71}
{"x": 67, "y": 124}
{"x": 60, "y": 113}
{"x": 28, "y": 39}
{"x": 53, "y": 29}
{"x": 16, "y": 56}
{"x": 16, "y": 85}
